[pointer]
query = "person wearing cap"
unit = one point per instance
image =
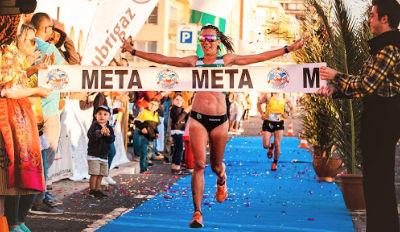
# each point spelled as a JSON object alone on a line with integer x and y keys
{"x": 45, "y": 203}
{"x": 101, "y": 136}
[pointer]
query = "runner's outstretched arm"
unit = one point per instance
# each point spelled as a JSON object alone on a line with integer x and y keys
{"x": 188, "y": 61}
{"x": 233, "y": 59}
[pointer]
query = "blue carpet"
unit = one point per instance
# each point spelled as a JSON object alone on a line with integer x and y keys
{"x": 289, "y": 199}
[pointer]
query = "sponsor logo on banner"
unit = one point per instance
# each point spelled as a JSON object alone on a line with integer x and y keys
{"x": 167, "y": 79}
{"x": 278, "y": 78}
{"x": 57, "y": 79}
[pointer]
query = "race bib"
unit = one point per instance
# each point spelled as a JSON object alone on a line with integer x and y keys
{"x": 274, "y": 117}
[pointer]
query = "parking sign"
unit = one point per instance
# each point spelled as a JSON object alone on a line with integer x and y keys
{"x": 186, "y": 37}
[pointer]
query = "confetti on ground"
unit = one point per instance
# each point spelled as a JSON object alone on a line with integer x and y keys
{"x": 289, "y": 199}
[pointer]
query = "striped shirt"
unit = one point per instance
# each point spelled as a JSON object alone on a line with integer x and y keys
{"x": 219, "y": 62}
{"x": 380, "y": 75}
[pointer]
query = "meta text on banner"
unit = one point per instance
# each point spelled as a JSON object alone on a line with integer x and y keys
{"x": 289, "y": 78}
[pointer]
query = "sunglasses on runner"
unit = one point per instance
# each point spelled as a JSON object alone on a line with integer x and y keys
{"x": 209, "y": 38}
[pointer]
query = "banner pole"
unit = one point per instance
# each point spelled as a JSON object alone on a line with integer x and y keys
{"x": 126, "y": 125}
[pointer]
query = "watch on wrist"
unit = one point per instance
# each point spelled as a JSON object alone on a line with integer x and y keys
{"x": 286, "y": 49}
{"x": 133, "y": 53}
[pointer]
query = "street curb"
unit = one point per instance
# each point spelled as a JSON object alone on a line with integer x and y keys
{"x": 106, "y": 219}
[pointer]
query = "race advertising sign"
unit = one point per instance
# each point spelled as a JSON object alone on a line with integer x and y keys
{"x": 290, "y": 78}
{"x": 112, "y": 23}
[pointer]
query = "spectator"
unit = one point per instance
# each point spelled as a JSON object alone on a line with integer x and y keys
{"x": 86, "y": 101}
{"x": 20, "y": 179}
{"x": 146, "y": 131}
{"x": 45, "y": 203}
{"x": 248, "y": 107}
{"x": 101, "y": 136}
{"x": 142, "y": 101}
{"x": 167, "y": 129}
{"x": 159, "y": 143}
{"x": 187, "y": 98}
{"x": 144, "y": 97}
{"x": 236, "y": 111}
{"x": 103, "y": 99}
{"x": 179, "y": 118}
{"x": 113, "y": 62}
{"x": 59, "y": 38}
{"x": 123, "y": 62}
{"x": 378, "y": 84}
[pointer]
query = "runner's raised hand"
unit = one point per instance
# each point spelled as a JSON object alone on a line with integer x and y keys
{"x": 126, "y": 46}
{"x": 298, "y": 44}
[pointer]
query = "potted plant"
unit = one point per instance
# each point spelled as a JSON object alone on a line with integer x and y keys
{"x": 319, "y": 113}
{"x": 344, "y": 49}
{"x": 350, "y": 182}
{"x": 318, "y": 120}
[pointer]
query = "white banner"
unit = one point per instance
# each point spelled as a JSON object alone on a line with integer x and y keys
{"x": 62, "y": 165}
{"x": 286, "y": 78}
{"x": 220, "y": 8}
{"x": 113, "y": 21}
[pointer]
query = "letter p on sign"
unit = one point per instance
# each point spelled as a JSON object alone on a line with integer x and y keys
{"x": 186, "y": 37}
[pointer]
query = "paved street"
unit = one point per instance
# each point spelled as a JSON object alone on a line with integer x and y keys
{"x": 88, "y": 214}
{"x": 81, "y": 211}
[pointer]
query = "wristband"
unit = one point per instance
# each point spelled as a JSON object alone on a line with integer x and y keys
{"x": 286, "y": 49}
{"x": 133, "y": 53}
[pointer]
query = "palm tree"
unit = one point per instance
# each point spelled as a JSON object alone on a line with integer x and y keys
{"x": 342, "y": 43}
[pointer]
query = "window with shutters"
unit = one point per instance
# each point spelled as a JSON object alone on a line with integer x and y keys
{"x": 153, "y": 18}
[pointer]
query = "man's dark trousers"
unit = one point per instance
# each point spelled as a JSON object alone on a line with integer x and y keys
{"x": 380, "y": 131}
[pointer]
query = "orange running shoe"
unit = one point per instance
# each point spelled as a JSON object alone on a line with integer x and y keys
{"x": 3, "y": 223}
{"x": 197, "y": 221}
{"x": 270, "y": 151}
{"x": 221, "y": 193}
{"x": 273, "y": 167}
